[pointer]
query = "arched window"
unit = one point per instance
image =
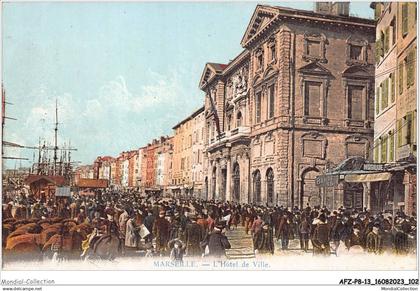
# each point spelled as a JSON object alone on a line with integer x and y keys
{"x": 257, "y": 186}
{"x": 270, "y": 186}
{"x": 236, "y": 183}
{"x": 239, "y": 119}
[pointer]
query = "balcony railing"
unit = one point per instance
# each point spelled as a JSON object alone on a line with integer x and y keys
{"x": 228, "y": 136}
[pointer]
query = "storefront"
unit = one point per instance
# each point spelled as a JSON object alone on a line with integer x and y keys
{"x": 360, "y": 185}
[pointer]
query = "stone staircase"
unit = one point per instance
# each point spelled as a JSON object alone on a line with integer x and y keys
{"x": 241, "y": 244}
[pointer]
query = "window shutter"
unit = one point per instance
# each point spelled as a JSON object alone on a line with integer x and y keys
{"x": 392, "y": 87}
{"x": 404, "y": 29}
{"x": 377, "y": 100}
{"x": 400, "y": 78}
{"x": 384, "y": 95}
{"x": 386, "y": 40}
{"x": 384, "y": 148}
{"x": 391, "y": 146}
{"x": 378, "y": 51}
{"x": 376, "y": 152}
{"x": 399, "y": 133}
{"x": 409, "y": 126}
{"x": 410, "y": 68}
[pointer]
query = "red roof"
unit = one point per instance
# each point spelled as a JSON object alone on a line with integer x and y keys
{"x": 218, "y": 67}
{"x": 92, "y": 183}
{"x": 56, "y": 180}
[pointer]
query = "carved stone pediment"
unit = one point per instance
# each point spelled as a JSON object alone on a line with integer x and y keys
{"x": 359, "y": 72}
{"x": 262, "y": 18}
{"x": 314, "y": 68}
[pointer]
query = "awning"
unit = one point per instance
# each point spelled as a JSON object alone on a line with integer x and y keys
{"x": 374, "y": 177}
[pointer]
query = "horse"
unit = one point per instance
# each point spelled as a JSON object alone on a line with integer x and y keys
{"x": 107, "y": 247}
{"x": 70, "y": 243}
{"x": 23, "y": 246}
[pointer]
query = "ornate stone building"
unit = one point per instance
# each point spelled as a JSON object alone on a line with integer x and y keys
{"x": 298, "y": 100}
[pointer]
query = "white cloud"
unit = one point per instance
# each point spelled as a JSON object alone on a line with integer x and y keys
{"x": 116, "y": 96}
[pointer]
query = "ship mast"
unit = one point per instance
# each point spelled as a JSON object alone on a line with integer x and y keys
{"x": 55, "y": 138}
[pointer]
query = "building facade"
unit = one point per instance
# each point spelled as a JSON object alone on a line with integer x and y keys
{"x": 395, "y": 109}
{"x": 185, "y": 148}
{"x": 297, "y": 101}
{"x": 197, "y": 152}
{"x": 164, "y": 163}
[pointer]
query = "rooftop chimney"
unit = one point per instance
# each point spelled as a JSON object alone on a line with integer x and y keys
{"x": 333, "y": 8}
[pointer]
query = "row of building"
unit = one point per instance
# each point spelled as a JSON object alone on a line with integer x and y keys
{"x": 310, "y": 90}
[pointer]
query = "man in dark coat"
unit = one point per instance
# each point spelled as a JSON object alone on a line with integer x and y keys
{"x": 374, "y": 241}
{"x": 149, "y": 221}
{"x": 161, "y": 229}
{"x": 283, "y": 231}
{"x": 263, "y": 239}
{"x": 304, "y": 232}
{"x": 194, "y": 234}
{"x": 320, "y": 238}
{"x": 217, "y": 242}
{"x": 355, "y": 239}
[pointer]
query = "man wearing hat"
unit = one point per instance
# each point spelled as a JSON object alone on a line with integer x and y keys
{"x": 217, "y": 242}
{"x": 161, "y": 229}
{"x": 320, "y": 238}
{"x": 194, "y": 234}
{"x": 355, "y": 239}
{"x": 374, "y": 240}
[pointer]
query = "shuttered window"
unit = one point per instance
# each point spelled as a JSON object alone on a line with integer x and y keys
{"x": 391, "y": 146}
{"x": 377, "y": 100}
{"x": 410, "y": 68}
{"x": 378, "y": 48}
{"x": 400, "y": 78}
{"x": 386, "y": 40}
{"x": 392, "y": 80}
{"x": 376, "y": 151}
{"x": 384, "y": 148}
{"x": 409, "y": 128}
{"x": 404, "y": 28}
{"x": 384, "y": 87}
{"x": 399, "y": 133}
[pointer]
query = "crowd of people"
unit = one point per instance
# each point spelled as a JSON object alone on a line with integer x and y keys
{"x": 176, "y": 227}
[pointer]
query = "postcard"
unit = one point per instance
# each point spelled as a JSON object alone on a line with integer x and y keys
{"x": 199, "y": 137}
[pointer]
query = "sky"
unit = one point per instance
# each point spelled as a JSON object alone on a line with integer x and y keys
{"x": 122, "y": 73}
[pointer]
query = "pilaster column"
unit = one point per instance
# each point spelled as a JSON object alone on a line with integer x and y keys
{"x": 209, "y": 181}
{"x": 246, "y": 192}
{"x": 228, "y": 180}
{"x": 263, "y": 189}
{"x": 218, "y": 181}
